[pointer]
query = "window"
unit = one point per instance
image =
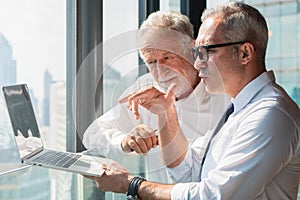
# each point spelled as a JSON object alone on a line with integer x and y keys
{"x": 32, "y": 46}
{"x": 33, "y": 39}
{"x": 120, "y": 53}
{"x": 282, "y": 51}
{"x": 168, "y": 5}
{"x": 283, "y": 48}
{"x": 121, "y": 59}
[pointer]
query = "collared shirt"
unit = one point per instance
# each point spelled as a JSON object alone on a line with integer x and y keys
{"x": 197, "y": 114}
{"x": 255, "y": 155}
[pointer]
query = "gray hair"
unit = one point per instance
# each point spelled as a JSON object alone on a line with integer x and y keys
{"x": 169, "y": 22}
{"x": 242, "y": 23}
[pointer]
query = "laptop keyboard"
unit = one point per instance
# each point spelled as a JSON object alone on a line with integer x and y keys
{"x": 56, "y": 158}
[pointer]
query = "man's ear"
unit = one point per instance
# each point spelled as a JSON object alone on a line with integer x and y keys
{"x": 190, "y": 55}
{"x": 192, "y": 43}
{"x": 246, "y": 53}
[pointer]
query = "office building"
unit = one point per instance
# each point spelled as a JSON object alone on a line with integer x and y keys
{"x": 7, "y": 63}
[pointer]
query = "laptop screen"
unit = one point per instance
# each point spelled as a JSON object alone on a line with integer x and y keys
{"x": 23, "y": 120}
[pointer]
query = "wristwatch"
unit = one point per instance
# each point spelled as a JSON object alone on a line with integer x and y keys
{"x": 133, "y": 187}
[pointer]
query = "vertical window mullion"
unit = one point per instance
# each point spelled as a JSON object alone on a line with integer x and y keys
{"x": 145, "y": 9}
{"x": 193, "y": 9}
{"x": 89, "y": 65}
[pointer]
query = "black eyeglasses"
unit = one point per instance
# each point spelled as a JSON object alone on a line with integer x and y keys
{"x": 202, "y": 50}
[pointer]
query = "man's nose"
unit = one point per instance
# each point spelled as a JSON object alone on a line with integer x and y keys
{"x": 198, "y": 64}
{"x": 161, "y": 69}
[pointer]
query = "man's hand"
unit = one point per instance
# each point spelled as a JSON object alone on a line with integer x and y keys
{"x": 140, "y": 139}
{"x": 151, "y": 99}
{"x": 115, "y": 179}
{"x": 172, "y": 142}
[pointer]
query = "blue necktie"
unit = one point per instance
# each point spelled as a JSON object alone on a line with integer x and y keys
{"x": 222, "y": 121}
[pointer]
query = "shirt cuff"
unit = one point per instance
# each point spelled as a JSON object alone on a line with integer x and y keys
{"x": 184, "y": 168}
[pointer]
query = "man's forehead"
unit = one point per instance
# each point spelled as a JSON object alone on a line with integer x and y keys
{"x": 209, "y": 32}
{"x": 161, "y": 38}
{"x": 156, "y": 53}
{"x": 152, "y": 51}
{"x": 148, "y": 32}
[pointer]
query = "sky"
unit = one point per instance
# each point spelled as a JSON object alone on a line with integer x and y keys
{"x": 36, "y": 32}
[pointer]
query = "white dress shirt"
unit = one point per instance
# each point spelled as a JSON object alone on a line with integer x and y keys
{"x": 255, "y": 155}
{"x": 197, "y": 114}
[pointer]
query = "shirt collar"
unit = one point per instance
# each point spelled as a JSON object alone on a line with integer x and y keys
{"x": 251, "y": 89}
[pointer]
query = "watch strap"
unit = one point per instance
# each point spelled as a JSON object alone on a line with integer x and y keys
{"x": 133, "y": 187}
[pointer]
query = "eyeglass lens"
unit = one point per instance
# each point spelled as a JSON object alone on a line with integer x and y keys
{"x": 201, "y": 52}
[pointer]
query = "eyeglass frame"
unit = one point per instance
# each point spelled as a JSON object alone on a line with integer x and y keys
{"x": 212, "y": 46}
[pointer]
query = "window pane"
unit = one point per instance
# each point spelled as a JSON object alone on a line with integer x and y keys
{"x": 120, "y": 52}
{"x": 283, "y": 48}
{"x": 32, "y": 51}
{"x": 274, "y": 50}
{"x": 120, "y": 70}
{"x": 173, "y": 5}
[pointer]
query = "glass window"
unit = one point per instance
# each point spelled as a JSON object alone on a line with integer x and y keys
{"x": 270, "y": 10}
{"x": 256, "y": 2}
{"x": 167, "y": 5}
{"x": 120, "y": 52}
{"x": 32, "y": 51}
{"x": 289, "y": 8}
{"x": 288, "y": 35}
{"x": 273, "y": 49}
{"x": 121, "y": 63}
{"x": 283, "y": 48}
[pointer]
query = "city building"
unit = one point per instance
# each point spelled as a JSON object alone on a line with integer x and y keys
{"x": 8, "y": 65}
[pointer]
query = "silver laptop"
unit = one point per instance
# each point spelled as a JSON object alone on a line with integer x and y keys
{"x": 29, "y": 141}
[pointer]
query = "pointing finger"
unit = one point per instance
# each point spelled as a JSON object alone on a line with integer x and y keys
{"x": 124, "y": 99}
{"x": 171, "y": 90}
